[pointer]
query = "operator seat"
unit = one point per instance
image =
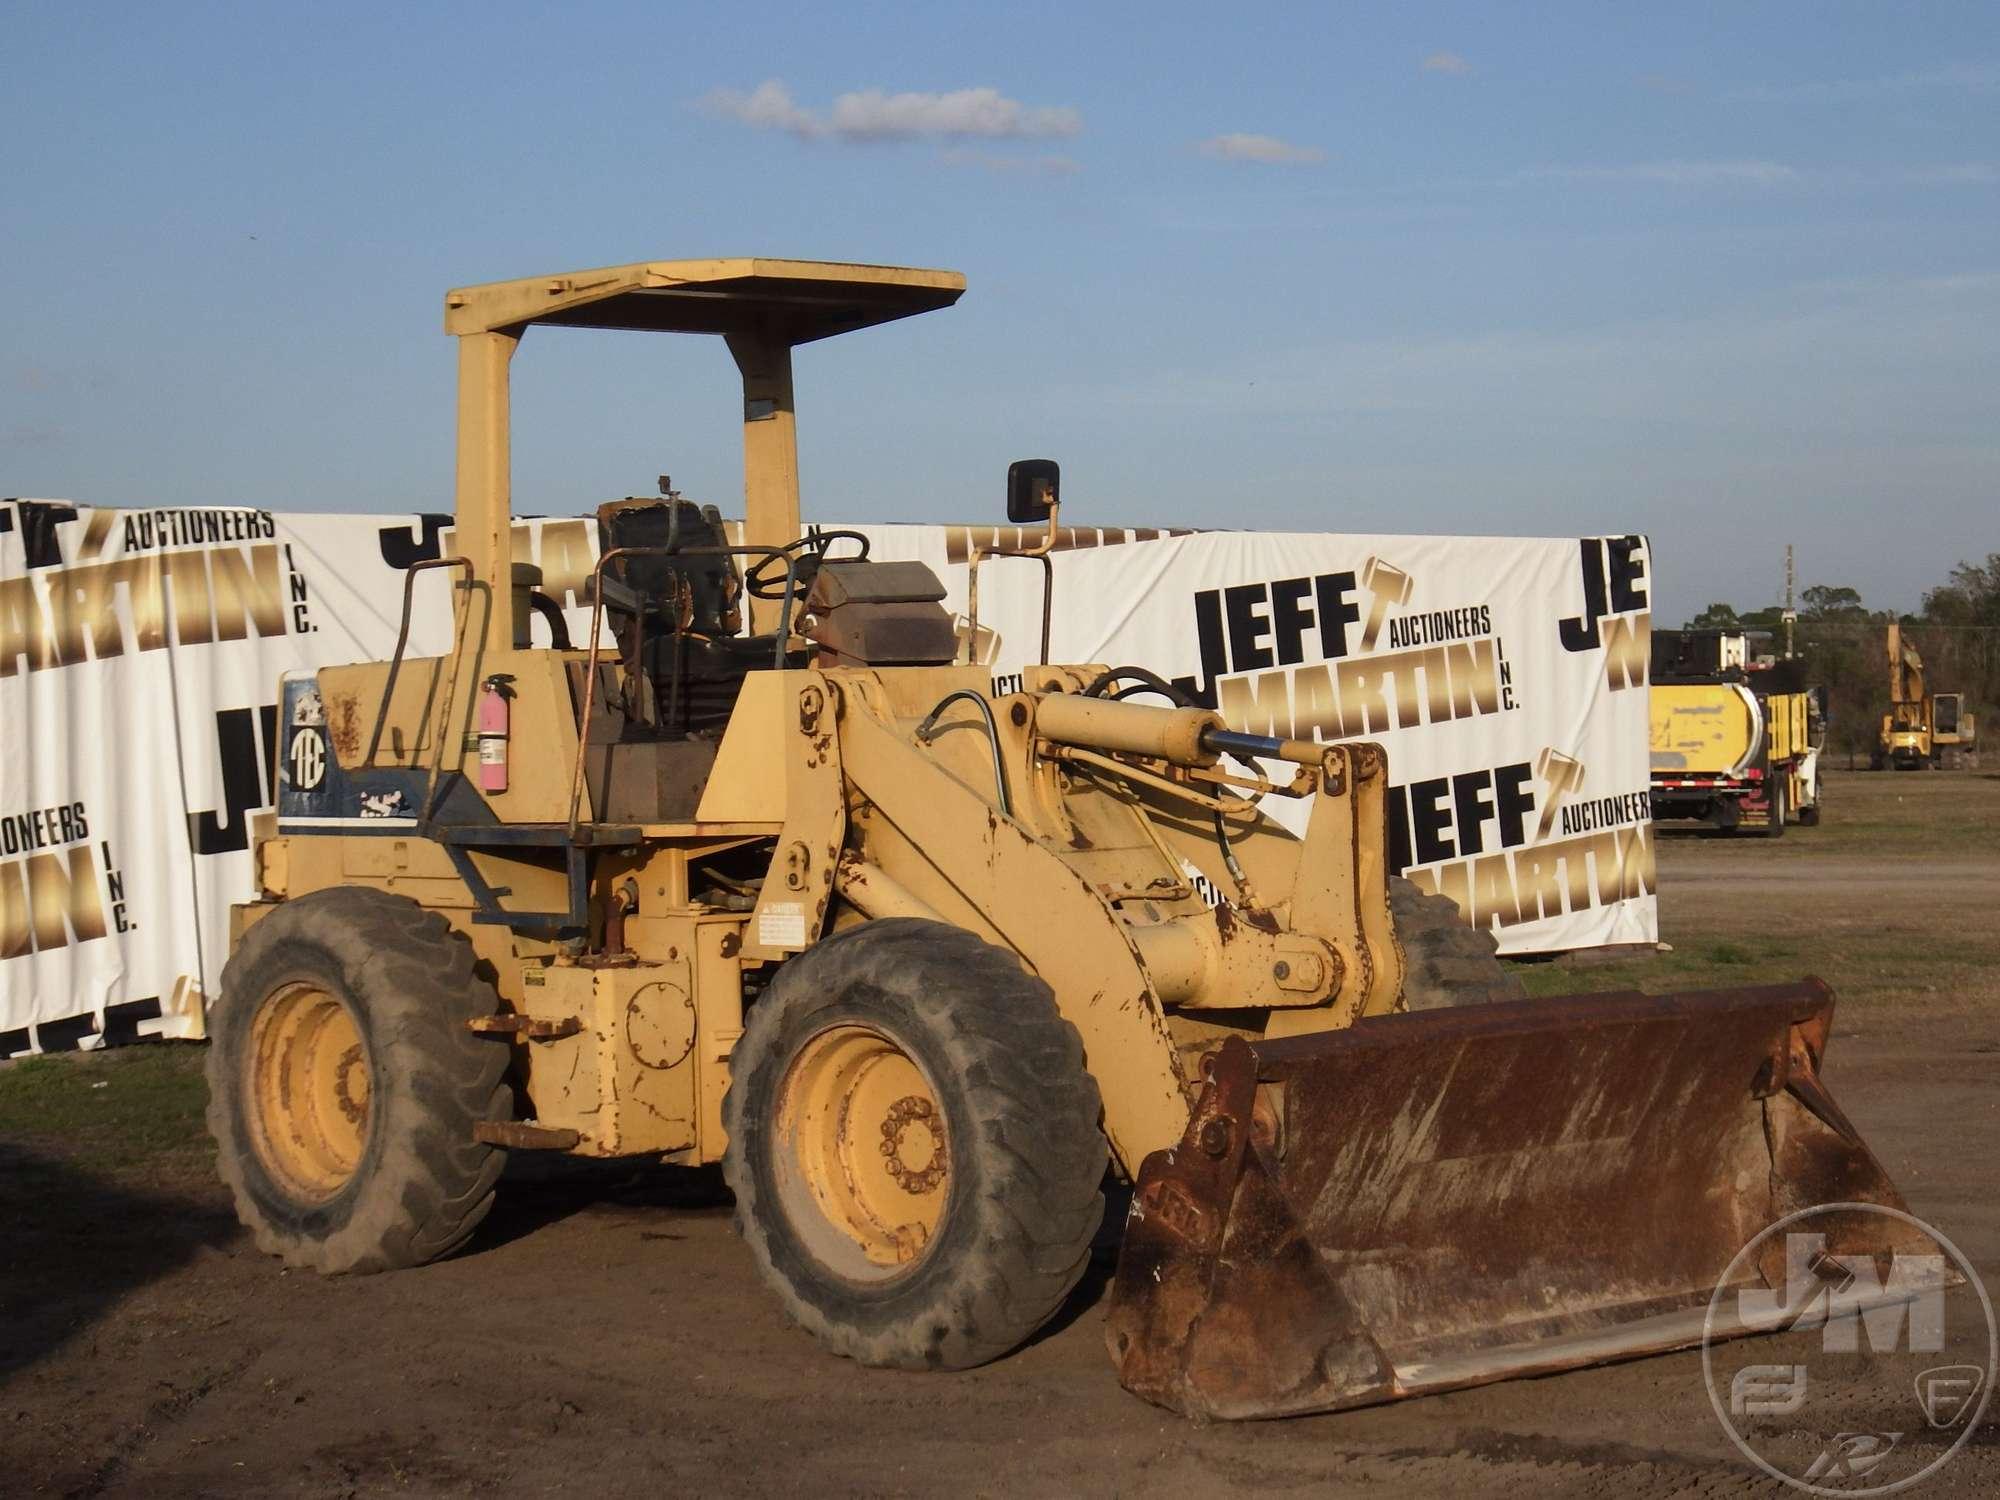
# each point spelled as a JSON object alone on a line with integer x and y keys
{"x": 657, "y": 712}
{"x": 677, "y": 619}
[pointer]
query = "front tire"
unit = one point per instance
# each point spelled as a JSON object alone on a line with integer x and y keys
{"x": 344, "y": 1084}
{"x": 914, "y": 1145}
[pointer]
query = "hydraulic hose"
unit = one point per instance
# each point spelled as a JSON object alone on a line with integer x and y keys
{"x": 551, "y": 612}
{"x": 928, "y": 731}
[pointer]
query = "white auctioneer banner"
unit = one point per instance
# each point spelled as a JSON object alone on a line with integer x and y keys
{"x": 141, "y": 651}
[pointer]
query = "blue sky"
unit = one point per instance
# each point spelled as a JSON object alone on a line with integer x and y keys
{"x": 1727, "y": 274}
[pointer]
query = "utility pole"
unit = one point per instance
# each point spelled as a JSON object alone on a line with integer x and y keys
{"x": 1790, "y": 614}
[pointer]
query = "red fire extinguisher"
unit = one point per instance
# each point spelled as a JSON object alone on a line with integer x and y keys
{"x": 493, "y": 696}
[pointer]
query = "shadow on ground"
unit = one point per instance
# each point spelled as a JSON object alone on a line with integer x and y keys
{"x": 542, "y": 1189}
{"x": 73, "y": 1244}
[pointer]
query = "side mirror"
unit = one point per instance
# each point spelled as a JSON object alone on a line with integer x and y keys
{"x": 1033, "y": 493}
{"x": 1033, "y": 486}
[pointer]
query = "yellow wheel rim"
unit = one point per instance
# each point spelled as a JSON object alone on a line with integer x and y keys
{"x": 309, "y": 1091}
{"x": 861, "y": 1132}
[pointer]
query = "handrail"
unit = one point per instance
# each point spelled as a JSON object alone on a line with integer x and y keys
{"x": 1040, "y": 552}
{"x": 597, "y": 630}
{"x": 461, "y": 634}
{"x": 403, "y": 639}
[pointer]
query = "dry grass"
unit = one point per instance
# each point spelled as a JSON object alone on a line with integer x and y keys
{"x": 1891, "y": 900}
{"x": 1904, "y": 815}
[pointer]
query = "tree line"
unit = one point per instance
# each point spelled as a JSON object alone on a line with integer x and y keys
{"x": 1844, "y": 645}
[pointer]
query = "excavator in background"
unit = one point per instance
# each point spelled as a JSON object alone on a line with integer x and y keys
{"x": 760, "y": 873}
{"x": 1922, "y": 730}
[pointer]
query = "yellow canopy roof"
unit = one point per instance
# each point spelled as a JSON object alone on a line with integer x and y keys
{"x": 796, "y": 300}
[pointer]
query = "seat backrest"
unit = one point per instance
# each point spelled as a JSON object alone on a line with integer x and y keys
{"x": 676, "y": 617}
{"x": 700, "y": 594}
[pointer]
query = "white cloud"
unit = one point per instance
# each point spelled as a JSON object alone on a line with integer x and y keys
{"x": 1446, "y": 62}
{"x": 769, "y": 106}
{"x": 872, "y": 115}
{"x": 1675, "y": 173}
{"x": 1267, "y": 149}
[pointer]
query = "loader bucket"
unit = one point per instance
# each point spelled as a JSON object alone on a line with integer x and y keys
{"x": 1428, "y": 1201}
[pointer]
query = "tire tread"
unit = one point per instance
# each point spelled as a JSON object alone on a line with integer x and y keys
{"x": 426, "y": 1184}
{"x": 1034, "y": 1108}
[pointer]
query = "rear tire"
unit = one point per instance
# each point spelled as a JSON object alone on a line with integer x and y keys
{"x": 1446, "y": 962}
{"x": 1809, "y": 815}
{"x": 1780, "y": 811}
{"x": 344, "y": 1085}
{"x": 914, "y": 1146}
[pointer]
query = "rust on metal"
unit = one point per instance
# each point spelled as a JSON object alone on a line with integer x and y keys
{"x": 914, "y": 1180}
{"x": 1427, "y": 1201}
{"x": 350, "y": 1065}
{"x": 533, "y": 1028}
{"x": 343, "y": 726}
{"x": 518, "y": 1137}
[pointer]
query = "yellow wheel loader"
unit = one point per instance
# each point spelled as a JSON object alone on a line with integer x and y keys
{"x": 763, "y": 871}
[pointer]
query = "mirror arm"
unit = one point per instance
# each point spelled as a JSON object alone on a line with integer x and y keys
{"x": 1040, "y": 551}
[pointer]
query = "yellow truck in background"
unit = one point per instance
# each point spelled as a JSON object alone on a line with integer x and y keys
{"x": 1734, "y": 742}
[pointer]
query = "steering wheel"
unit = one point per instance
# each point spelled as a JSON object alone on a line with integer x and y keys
{"x": 767, "y": 579}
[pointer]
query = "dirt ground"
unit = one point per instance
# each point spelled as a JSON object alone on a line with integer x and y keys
{"x": 605, "y": 1333}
